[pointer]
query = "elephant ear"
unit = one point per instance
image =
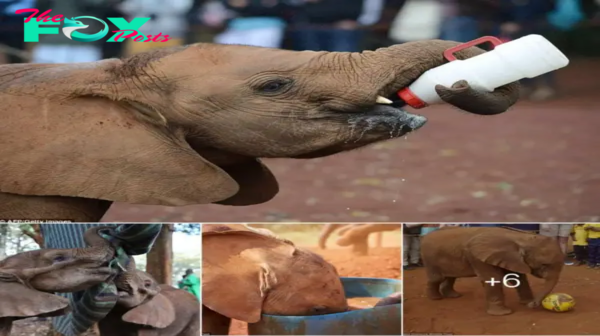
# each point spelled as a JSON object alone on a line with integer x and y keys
{"x": 18, "y": 301}
{"x": 497, "y": 250}
{"x": 85, "y": 130}
{"x": 235, "y": 269}
{"x": 157, "y": 312}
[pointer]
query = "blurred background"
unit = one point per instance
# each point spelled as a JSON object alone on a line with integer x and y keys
{"x": 538, "y": 162}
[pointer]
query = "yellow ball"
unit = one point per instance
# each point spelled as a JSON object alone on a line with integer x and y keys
{"x": 558, "y": 302}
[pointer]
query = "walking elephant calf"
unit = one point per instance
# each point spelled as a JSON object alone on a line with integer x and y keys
{"x": 28, "y": 279}
{"x": 189, "y": 125}
{"x": 490, "y": 254}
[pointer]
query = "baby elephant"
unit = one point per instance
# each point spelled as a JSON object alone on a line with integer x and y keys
{"x": 146, "y": 308}
{"x": 28, "y": 278}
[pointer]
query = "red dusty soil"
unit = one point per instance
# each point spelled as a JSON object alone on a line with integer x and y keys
{"x": 538, "y": 162}
{"x": 380, "y": 263}
{"x": 466, "y": 315}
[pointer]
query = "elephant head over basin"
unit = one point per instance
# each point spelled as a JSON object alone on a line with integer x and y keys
{"x": 246, "y": 274}
{"x": 187, "y": 125}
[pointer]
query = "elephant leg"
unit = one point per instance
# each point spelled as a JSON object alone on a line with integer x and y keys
{"x": 328, "y": 229}
{"x": 434, "y": 282}
{"x": 447, "y": 288}
{"x": 524, "y": 290}
{"x": 491, "y": 279}
{"x": 357, "y": 232}
{"x": 361, "y": 247}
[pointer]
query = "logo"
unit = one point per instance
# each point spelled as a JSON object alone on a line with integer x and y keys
{"x": 70, "y": 27}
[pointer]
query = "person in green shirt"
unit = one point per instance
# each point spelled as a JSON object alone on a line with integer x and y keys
{"x": 190, "y": 283}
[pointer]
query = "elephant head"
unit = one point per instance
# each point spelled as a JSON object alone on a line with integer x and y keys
{"x": 523, "y": 253}
{"x": 187, "y": 125}
{"x": 146, "y": 308}
{"x": 246, "y": 274}
{"x": 28, "y": 278}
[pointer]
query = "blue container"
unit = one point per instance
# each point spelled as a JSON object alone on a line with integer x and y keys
{"x": 383, "y": 320}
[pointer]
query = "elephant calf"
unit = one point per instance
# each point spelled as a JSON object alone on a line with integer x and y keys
{"x": 490, "y": 253}
{"x": 247, "y": 273}
{"x": 146, "y": 308}
{"x": 27, "y": 279}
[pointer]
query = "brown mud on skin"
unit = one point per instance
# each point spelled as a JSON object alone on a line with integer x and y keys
{"x": 380, "y": 263}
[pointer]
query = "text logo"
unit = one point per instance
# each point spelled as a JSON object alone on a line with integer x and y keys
{"x": 35, "y": 26}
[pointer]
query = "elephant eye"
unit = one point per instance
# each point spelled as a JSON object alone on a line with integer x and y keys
{"x": 275, "y": 86}
{"x": 59, "y": 258}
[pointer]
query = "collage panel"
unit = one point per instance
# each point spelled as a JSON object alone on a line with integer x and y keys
{"x": 501, "y": 278}
{"x": 105, "y": 279}
{"x": 301, "y": 279}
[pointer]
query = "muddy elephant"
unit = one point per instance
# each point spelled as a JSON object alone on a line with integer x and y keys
{"x": 246, "y": 274}
{"x": 146, "y": 308}
{"x": 189, "y": 125}
{"x": 486, "y": 253}
{"x": 356, "y": 235}
{"x": 28, "y": 279}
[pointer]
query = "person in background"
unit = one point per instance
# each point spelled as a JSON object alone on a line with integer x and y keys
{"x": 411, "y": 245}
{"x": 327, "y": 25}
{"x": 255, "y": 22}
{"x": 593, "y": 241}
{"x": 561, "y": 233}
{"x": 12, "y": 29}
{"x": 111, "y": 9}
{"x": 519, "y": 18}
{"x": 417, "y": 20}
{"x": 580, "y": 236}
{"x": 56, "y": 48}
{"x": 165, "y": 19}
{"x": 190, "y": 283}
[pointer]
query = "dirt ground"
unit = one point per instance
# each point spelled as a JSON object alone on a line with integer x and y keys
{"x": 383, "y": 262}
{"x": 538, "y": 162}
{"x": 466, "y": 315}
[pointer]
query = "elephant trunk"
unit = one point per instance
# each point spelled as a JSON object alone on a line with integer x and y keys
{"x": 549, "y": 284}
{"x": 396, "y": 67}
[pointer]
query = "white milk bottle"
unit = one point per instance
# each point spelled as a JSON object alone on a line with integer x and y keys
{"x": 526, "y": 57}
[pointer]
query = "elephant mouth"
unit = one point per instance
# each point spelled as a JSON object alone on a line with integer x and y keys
{"x": 377, "y": 123}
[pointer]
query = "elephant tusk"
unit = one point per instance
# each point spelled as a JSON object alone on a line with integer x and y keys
{"x": 383, "y": 100}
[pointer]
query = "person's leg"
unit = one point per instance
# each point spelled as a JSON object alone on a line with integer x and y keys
{"x": 564, "y": 232}
{"x": 343, "y": 40}
{"x": 415, "y": 251}
{"x": 549, "y": 230}
{"x": 593, "y": 251}
{"x": 405, "y": 250}
{"x": 594, "y": 244}
{"x": 579, "y": 251}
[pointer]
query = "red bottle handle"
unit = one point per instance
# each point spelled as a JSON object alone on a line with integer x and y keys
{"x": 449, "y": 53}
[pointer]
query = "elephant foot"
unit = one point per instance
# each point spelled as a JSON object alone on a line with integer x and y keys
{"x": 499, "y": 310}
{"x": 451, "y": 294}
{"x": 434, "y": 295}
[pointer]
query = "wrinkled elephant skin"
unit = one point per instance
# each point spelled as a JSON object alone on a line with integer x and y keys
{"x": 246, "y": 273}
